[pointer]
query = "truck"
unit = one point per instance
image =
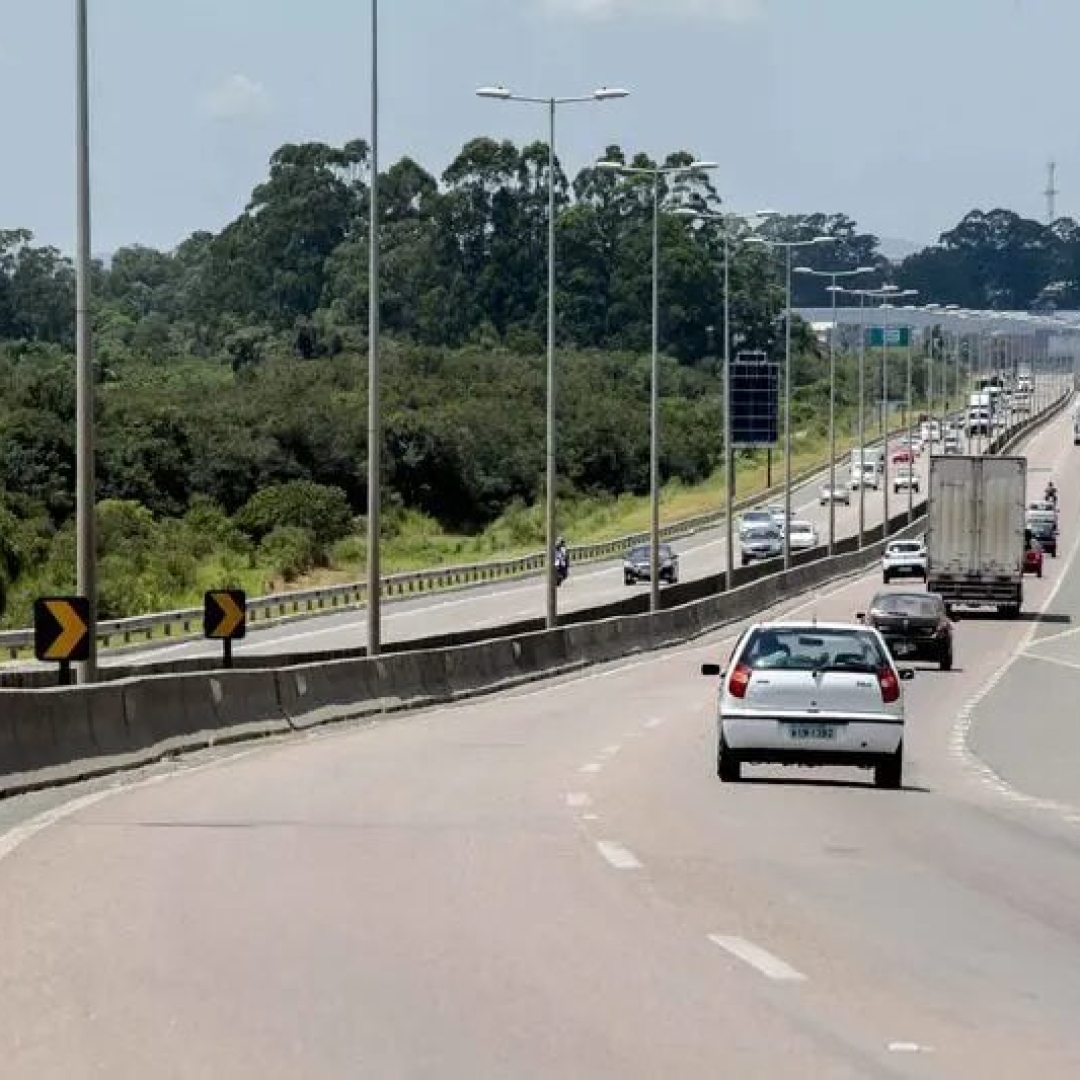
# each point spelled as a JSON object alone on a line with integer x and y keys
{"x": 975, "y": 535}
{"x": 1076, "y": 428}
{"x": 866, "y": 467}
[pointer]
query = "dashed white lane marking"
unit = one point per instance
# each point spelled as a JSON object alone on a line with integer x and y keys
{"x": 612, "y": 750}
{"x": 618, "y": 856}
{"x": 655, "y": 722}
{"x": 909, "y": 1048}
{"x": 592, "y": 767}
{"x": 1051, "y": 660}
{"x": 772, "y": 967}
{"x": 575, "y": 799}
{"x": 590, "y": 817}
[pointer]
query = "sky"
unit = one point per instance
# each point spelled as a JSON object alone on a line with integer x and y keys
{"x": 902, "y": 114}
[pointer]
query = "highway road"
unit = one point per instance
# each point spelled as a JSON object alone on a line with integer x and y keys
{"x": 553, "y": 883}
{"x": 589, "y": 585}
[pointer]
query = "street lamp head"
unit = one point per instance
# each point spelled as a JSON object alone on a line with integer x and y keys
{"x": 610, "y": 166}
{"x": 760, "y": 241}
{"x": 701, "y": 166}
{"x": 823, "y": 240}
{"x": 863, "y": 270}
{"x": 499, "y": 93}
{"x": 610, "y": 93}
{"x": 804, "y": 270}
{"x": 836, "y": 289}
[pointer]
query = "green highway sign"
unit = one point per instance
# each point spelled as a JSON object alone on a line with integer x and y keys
{"x": 899, "y": 336}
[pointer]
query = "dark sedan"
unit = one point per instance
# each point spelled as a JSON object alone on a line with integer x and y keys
{"x": 1046, "y": 534}
{"x": 637, "y": 562}
{"x": 914, "y": 625}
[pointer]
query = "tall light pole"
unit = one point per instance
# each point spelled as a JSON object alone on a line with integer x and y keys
{"x": 788, "y": 246}
{"x": 500, "y": 93}
{"x": 833, "y": 288}
{"x": 729, "y": 457}
{"x": 909, "y": 427}
{"x": 656, "y": 173}
{"x": 85, "y": 544}
{"x": 374, "y": 418}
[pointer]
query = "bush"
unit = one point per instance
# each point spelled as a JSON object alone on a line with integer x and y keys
{"x": 290, "y": 550}
{"x": 316, "y": 507}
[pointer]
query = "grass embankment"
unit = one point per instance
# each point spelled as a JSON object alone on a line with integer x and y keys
{"x": 151, "y": 565}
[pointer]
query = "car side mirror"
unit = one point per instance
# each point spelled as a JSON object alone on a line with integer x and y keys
{"x": 907, "y": 674}
{"x": 712, "y": 670}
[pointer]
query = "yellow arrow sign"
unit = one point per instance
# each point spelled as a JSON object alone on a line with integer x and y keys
{"x": 232, "y": 615}
{"x": 73, "y": 629}
{"x": 225, "y": 614}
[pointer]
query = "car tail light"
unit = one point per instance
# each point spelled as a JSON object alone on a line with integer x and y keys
{"x": 740, "y": 680}
{"x": 889, "y": 683}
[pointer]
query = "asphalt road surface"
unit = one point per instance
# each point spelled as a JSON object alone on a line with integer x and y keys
{"x": 553, "y": 883}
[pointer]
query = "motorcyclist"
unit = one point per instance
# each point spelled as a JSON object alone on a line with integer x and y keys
{"x": 562, "y": 560}
{"x": 1051, "y": 495}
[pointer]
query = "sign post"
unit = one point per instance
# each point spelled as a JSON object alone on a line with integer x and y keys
{"x": 62, "y": 632}
{"x": 225, "y": 619}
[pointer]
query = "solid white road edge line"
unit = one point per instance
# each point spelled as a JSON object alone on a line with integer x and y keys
{"x": 575, "y": 799}
{"x": 959, "y": 747}
{"x": 772, "y": 967}
{"x": 592, "y": 767}
{"x": 618, "y": 856}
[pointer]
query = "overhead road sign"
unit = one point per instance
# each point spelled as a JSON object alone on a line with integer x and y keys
{"x": 898, "y": 336}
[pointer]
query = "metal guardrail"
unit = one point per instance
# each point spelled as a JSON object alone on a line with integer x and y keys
{"x": 276, "y": 607}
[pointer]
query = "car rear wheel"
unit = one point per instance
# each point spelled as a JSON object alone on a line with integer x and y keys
{"x": 629, "y": 580}
{"x": 946, "y": 660}
{"x": 886, "y": 578}
{"x": 1038, "y": 572}
{"x": 728, "y": 766}
{"x": 889, "y": 772}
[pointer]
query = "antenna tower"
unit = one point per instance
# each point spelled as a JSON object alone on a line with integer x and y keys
{"x": 1051, "y": 193}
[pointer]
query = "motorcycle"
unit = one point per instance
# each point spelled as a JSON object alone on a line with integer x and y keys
{"x": 1051, "y": 496}
{"x": 562, "y": 568}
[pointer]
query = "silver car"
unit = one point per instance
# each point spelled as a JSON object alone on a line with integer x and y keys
{"x": 838, "y": 493}
{"x": 761, "y": 542}
{"x": 811, "y": 694}
{"x": 753, "y": 519}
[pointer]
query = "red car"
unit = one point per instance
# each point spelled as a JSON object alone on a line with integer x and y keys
{"x": 1033, "y": 559}
{"x": 902, "y": 457}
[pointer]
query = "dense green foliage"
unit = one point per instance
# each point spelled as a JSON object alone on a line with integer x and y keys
{"x": 232, "y": 371}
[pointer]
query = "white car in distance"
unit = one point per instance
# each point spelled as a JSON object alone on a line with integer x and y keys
{"x": 904, "y": 558}
{"x": 904, "y": 478}
{"x": 808, "y": 693}
{"x": 802, "y": 536}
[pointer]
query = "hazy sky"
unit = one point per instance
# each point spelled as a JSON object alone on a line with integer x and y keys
{"x": 904, "y": 114}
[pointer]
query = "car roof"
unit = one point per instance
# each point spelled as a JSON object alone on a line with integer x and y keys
{"x": 803, "y": 624}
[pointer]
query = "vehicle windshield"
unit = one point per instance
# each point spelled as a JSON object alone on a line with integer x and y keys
{"x": 915, "y": 605}
{"x": 757, "y": 515}
{"x": 1041, "y": 529}
{"x": 801, "y": 527}
{"x": 762, "y": 534}
{"x": 813, "y": 649}
{"x": 908, "y": 547}
{"x": 641, "y": 554}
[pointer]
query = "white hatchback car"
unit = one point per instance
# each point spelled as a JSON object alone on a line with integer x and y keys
{"x": 811, "y": 694}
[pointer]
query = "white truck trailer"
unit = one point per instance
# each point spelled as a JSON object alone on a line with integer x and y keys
{"x": 975, "y": 531}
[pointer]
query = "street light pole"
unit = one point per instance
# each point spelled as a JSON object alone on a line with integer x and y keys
{"x": 833, "y": 289}
{"x": 788, "y": 246}
{"x": 656, "y": 174}
{"x": 85, "y": 554}
{"x": 374, "y": 432}
{"x": 500, "y": 93}
{"x": 729, "y": 455}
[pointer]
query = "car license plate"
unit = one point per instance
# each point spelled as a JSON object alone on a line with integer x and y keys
{"x": 802, "y": 732}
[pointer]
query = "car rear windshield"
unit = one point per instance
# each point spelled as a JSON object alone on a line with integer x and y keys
{"x": 757, "y": 515}
{"x": 762, "y": 534}
{"x": 916, "y": 605}
{"x": 813, "y": 649}
{"x": 1041, "y": 529}
{"x": 912, "y": 548}
{"x": 642, "y": 554}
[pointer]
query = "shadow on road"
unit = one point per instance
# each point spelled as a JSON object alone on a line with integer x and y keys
{"x": 822, "y": 782}
{"x": 1046, "y": 618}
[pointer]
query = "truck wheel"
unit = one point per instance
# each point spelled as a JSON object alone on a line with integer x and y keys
{"x": 945, "y": 664}
{"x": 1012, "y": 611}
{"x": 886, "y": 578}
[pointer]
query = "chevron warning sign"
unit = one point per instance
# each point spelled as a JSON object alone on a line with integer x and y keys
{"x": 225, "y": 614}
{"x": 62, "y": 628}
